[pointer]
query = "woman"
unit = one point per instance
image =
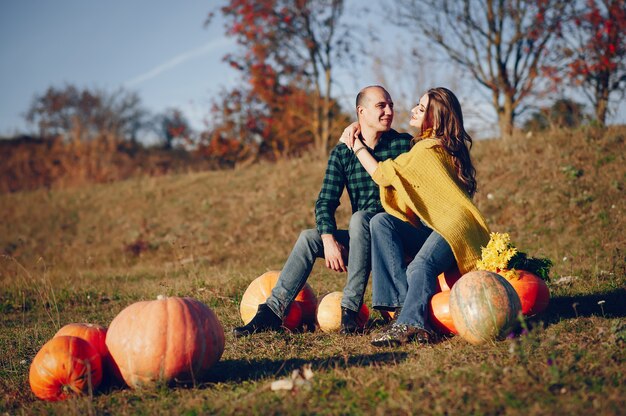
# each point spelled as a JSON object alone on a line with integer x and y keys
{"x": 430, "y": 216}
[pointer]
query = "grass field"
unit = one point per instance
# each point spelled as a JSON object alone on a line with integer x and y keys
{"x": 84, "y": 254}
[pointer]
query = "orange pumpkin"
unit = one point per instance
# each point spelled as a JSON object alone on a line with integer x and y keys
{"x": 439, "y": 313}
{"x": 166, "y": 340}
{"x": 329, "y": 313}
{"x": 447, "y": 279}
{"x": 533, "y": 292}
{"x": 484, "y": 306}
{"x": 387, "y": 315}
{"x": 293, "y": 318}
{"x": 96, "y": 336}
{"x": 65, "y": 366}
{"x": 260, "y": 289}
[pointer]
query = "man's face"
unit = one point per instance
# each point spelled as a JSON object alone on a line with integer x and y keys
{"x": 376, "y": 112}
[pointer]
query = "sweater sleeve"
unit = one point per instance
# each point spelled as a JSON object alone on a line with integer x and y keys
{"x": 387, "y": 170}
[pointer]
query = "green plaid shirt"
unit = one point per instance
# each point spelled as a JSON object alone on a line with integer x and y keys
{"x": 345, "y": 171}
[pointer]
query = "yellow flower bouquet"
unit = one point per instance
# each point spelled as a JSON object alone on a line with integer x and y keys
{"x": 501, "y": 256}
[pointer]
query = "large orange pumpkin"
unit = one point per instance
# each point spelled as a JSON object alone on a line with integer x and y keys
{"x": 65, "y": 366}
{"x": 439, "y": 313}
{"x": 484, "y": 306}
{"x": 329, "y": 313}
{"x": 533, "y": 292}
{"x": 260, "y": 289}
{"x": 167, "y": 340}
{"x": 96, "y": 336}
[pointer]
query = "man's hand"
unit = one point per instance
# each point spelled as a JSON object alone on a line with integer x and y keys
{"x": 350, "y": 134}
{"x": 334, "y": 253}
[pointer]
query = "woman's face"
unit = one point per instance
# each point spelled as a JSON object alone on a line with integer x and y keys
{"x": 418, "y": 113}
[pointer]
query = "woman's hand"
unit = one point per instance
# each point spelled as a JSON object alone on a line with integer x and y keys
{"x": 350, "y": 134}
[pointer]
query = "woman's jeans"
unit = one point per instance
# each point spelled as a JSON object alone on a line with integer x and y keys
{"x": 394, "y": 283}
{"x": 309, "y": 247}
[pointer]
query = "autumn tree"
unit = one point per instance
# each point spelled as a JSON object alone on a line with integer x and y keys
{"x": 234, "y": 131}
{"x": 173, "y": 127}
{"x": 594, "y": 51}
{"x": 86, "y": 114}
{"x": 502, "y": 44}
{"x": 288, "y": 49}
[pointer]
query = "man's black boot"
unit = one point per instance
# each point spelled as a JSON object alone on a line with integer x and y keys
{"x": 349, "y": 324}
{"x": 264, "y": 320}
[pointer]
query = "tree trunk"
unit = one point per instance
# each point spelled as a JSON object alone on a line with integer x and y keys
{"x": 506, "y": 118}
{"x": 505, "y": 115}
{"x": 325, "y": 115}
{"x": 602, "y": 100}
{"x": 601, "y": 109}
{"x": 316, "y": 122}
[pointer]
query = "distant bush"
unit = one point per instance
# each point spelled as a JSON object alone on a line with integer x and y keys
{"x": 563, "y": 113}
{"x": 29, "y": 162}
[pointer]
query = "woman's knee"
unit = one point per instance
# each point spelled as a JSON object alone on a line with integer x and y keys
{"x": 430, "y": 264}
{"x": 381, "y": 221}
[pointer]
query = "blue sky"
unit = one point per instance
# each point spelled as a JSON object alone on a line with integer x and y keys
{"x": 161, "y": 50}
{"x": 155, "y": 47}
{"x": 158, "y": 48}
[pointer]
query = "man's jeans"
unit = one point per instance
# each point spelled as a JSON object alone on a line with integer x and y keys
{"x": 309, "y": 247}
{"x": 394, "y": 284}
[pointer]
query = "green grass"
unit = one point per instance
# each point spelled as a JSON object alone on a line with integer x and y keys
{"x": 83, "y": 254}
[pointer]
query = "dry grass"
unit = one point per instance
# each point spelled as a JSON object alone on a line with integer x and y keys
{"x": 83, "y": 254}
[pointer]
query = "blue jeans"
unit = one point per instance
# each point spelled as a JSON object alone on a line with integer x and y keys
{"x": 395, "y": 284}
{"x": 309, "y": 247}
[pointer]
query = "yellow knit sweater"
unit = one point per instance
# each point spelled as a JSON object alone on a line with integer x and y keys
{"x": 423, "y": 181}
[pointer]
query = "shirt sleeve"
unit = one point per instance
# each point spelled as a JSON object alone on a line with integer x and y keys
{"x": 328, "y": 199}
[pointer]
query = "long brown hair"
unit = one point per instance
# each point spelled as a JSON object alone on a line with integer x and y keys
{"x": 445, "y": 118}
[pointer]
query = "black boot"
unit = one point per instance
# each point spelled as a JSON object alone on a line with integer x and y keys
{"x": 349, "y": 324}
{"x": 264, "y": 320}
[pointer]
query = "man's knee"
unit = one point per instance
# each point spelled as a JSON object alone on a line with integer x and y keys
{"x": 309, "y": 237}
{"x": 360, "y": 224}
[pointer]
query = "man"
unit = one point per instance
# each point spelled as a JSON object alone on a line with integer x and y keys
{"x": 374, "y": 109}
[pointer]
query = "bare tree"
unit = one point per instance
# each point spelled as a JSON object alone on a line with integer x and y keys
{"x": 63, "y": 111}
{"x": 503, "y": 44}
{"x": 290, "y": 45}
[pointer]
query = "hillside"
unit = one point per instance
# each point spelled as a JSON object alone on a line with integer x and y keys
{"x": 82, "y": 254}
{"x": 559, "y": 195}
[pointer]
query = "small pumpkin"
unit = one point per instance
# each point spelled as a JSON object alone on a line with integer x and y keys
{"x": 439, "y": 313}
{"x": 484, "y": 306}
{"x": 96, "y": 336}
{"x": 165, "y": 341}
{"x": 329, "y": 313}
{"x": 65, "y": 366}
{"x": 533, "y": 292}
{"x": 447, "y": 279}
{"x": 387, "y": 315}
{"x": 260, "y": 289}
{"x": 293, "y": 318}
